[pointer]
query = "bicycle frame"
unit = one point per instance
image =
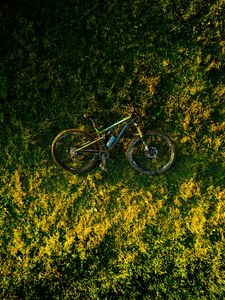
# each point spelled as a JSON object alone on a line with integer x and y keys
{"x": 101, "y": 133}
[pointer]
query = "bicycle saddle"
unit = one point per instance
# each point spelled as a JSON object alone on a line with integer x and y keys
{"x": 89, "y": 116}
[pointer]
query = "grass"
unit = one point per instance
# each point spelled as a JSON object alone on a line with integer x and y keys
{"x": 119, "y": 234}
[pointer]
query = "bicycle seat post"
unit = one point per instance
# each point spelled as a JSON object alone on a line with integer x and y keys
{"x": 94, "y": 125}
{"x": 92, "y": 119}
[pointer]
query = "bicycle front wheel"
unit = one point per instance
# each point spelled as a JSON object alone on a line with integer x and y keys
{"x": 152, "y": 157}
{"x": 64, "y": 151}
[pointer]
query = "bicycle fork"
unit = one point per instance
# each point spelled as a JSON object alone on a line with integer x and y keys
{"x": 141, "y": 135}
{"x": 150, "y": 151}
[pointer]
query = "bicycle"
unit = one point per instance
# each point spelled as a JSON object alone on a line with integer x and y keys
{"x": 76, "y": 151}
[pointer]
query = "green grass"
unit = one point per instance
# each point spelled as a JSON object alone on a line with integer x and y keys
{"x": 119, "y": 234}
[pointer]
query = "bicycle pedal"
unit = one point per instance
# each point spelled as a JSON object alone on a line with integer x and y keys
{"x": 103, "y": 167}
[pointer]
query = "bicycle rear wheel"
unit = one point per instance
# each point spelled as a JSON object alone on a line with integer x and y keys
{"x": 64, "y": 152}
{"x": 153, "y": 158}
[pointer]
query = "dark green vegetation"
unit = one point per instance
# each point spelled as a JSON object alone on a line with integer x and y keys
{"x": 119, "y": 235}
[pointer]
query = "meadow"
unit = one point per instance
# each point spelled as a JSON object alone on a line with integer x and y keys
{"x": 121, "y": 234}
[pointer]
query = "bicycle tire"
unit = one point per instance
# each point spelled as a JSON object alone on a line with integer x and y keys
{"x": 64, "y": 155}
{"x": 148, "y": 161}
